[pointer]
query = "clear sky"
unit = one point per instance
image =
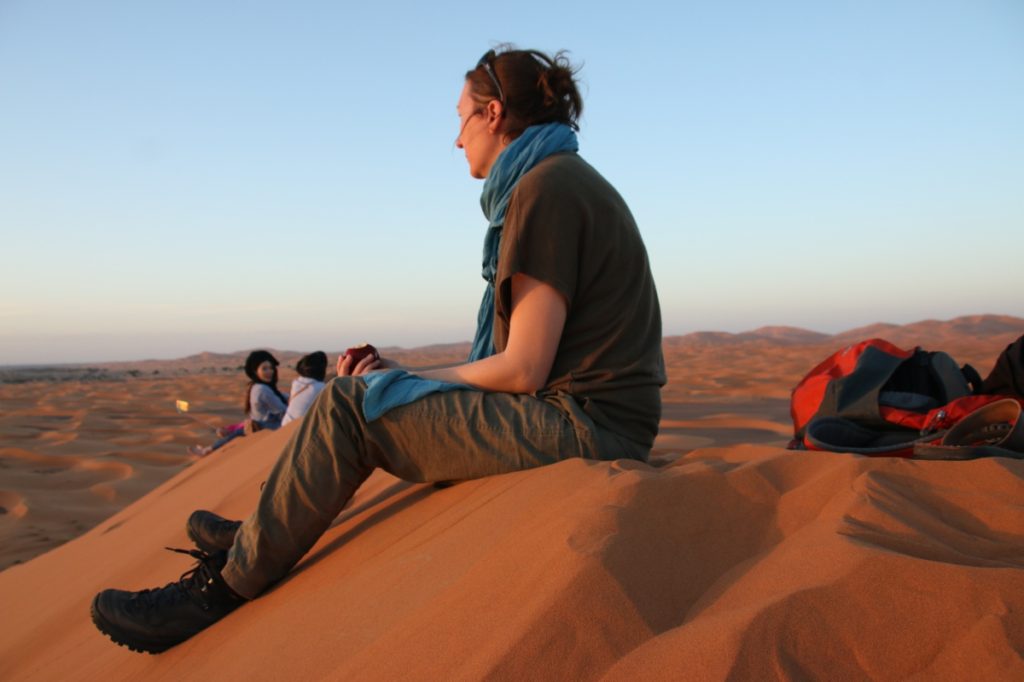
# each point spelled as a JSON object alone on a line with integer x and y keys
{"x": 179, "y": 176}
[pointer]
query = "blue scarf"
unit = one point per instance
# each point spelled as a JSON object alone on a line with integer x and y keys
{"x": 387, "y": 390}
{"x": 516, "y": 160}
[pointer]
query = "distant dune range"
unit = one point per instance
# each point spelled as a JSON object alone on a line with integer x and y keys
{"x": 727, "y": 556}
{"x": 79, "y": 442}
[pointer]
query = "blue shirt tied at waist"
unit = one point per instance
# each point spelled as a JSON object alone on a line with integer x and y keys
{"x": 396, "y": 387}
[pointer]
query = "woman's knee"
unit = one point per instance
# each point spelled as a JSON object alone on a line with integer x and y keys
{"x": 339, "y": 409}
{"x": 345, "y": 394}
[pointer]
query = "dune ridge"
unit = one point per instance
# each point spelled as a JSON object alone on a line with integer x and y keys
{"x": 747, "y": 561}
{"x": 726, "y": 557}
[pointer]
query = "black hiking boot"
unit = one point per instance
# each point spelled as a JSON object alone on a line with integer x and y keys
{"x": 157, "y": 619}
{"x": 211, "y": 532}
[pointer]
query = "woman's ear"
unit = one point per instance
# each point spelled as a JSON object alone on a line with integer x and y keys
{"x": 495, "y": 112}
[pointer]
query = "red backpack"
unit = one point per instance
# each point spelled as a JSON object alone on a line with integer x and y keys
{"x": 873, "y": 398}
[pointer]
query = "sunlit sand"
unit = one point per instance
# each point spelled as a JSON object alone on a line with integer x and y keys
{"x": 726, "y": 556}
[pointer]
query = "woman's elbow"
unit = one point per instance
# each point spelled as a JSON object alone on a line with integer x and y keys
{"x": 530, "y": 379}
{"x": 524, "y": 373}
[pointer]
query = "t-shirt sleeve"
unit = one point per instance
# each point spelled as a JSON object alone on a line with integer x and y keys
{"x": 541, "y": 238}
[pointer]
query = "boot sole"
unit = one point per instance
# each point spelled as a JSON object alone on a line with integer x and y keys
{"x": 121, "y": 638}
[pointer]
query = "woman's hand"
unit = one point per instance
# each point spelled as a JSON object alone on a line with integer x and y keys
{"x": 347, "y": 368}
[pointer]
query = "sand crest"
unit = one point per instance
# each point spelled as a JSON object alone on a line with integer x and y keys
{"x": 728, "y": 557}
{"x": 747, "y": 561}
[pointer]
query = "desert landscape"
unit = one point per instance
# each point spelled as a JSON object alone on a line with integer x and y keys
{"x": 726, "y": 557}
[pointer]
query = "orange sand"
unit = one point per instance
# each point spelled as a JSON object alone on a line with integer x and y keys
{"x": 727, "y": 558}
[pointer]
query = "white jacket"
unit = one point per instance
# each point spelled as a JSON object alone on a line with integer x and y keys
{"x": 304, "y": 392}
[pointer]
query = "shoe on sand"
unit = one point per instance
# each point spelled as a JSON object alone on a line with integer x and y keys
{"x": 157, "y": 619}
{"x": 211, "y": 532}
{"x": 199, "y": 450}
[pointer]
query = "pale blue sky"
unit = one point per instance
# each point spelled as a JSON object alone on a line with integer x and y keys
{"x": 187, "y": 176}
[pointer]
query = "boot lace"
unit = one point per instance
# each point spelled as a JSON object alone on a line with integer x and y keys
{"x": 191, "y": 584}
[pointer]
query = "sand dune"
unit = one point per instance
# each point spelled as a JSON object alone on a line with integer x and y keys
{"x": 75, "y": 452}
{"x": 727, "y": 557}
{"x": 748, "y": 561}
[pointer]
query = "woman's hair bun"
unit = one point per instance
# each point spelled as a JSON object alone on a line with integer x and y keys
{"x": 558, "y": 84}
{"x": 535, "y": 88}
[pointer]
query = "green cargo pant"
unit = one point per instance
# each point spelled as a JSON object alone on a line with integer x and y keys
{"x": 442, "y": 437}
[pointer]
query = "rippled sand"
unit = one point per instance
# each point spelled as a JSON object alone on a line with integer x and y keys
{"x": 728, "y": 557}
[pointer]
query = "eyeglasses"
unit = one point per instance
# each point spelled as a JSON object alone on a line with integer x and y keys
{"x": 485, "y": 62}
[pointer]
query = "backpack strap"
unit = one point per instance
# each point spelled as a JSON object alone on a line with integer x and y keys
{"x": 950, "y": 380}
{"x": 973, "y": 378}
{"x": 835, "y": 434}
{"x": 855, "y": 396}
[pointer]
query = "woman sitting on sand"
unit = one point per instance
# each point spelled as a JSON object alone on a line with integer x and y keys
{"x": 566, "y": 361}
{"x": 312, "y": 370}
{"x": 264, "y": 406}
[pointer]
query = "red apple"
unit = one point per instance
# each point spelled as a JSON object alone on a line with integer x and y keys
{"x": 359, "y": 352}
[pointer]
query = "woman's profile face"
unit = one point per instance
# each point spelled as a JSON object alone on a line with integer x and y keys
{"x": 478, "y": 138}
{"x": 265, "y": 371}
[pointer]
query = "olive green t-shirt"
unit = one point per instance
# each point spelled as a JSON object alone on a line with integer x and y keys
{"x": 567, "y": 227}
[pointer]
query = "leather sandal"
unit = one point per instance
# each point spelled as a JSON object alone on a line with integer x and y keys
{"x": 995, "y": 430}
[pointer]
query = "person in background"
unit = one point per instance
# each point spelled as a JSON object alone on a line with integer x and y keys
{"x": 312, "y": 369}
{"x": 265, "y": 405}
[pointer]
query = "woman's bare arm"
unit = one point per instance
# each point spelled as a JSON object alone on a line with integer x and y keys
{"x": 535, "y": 328}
